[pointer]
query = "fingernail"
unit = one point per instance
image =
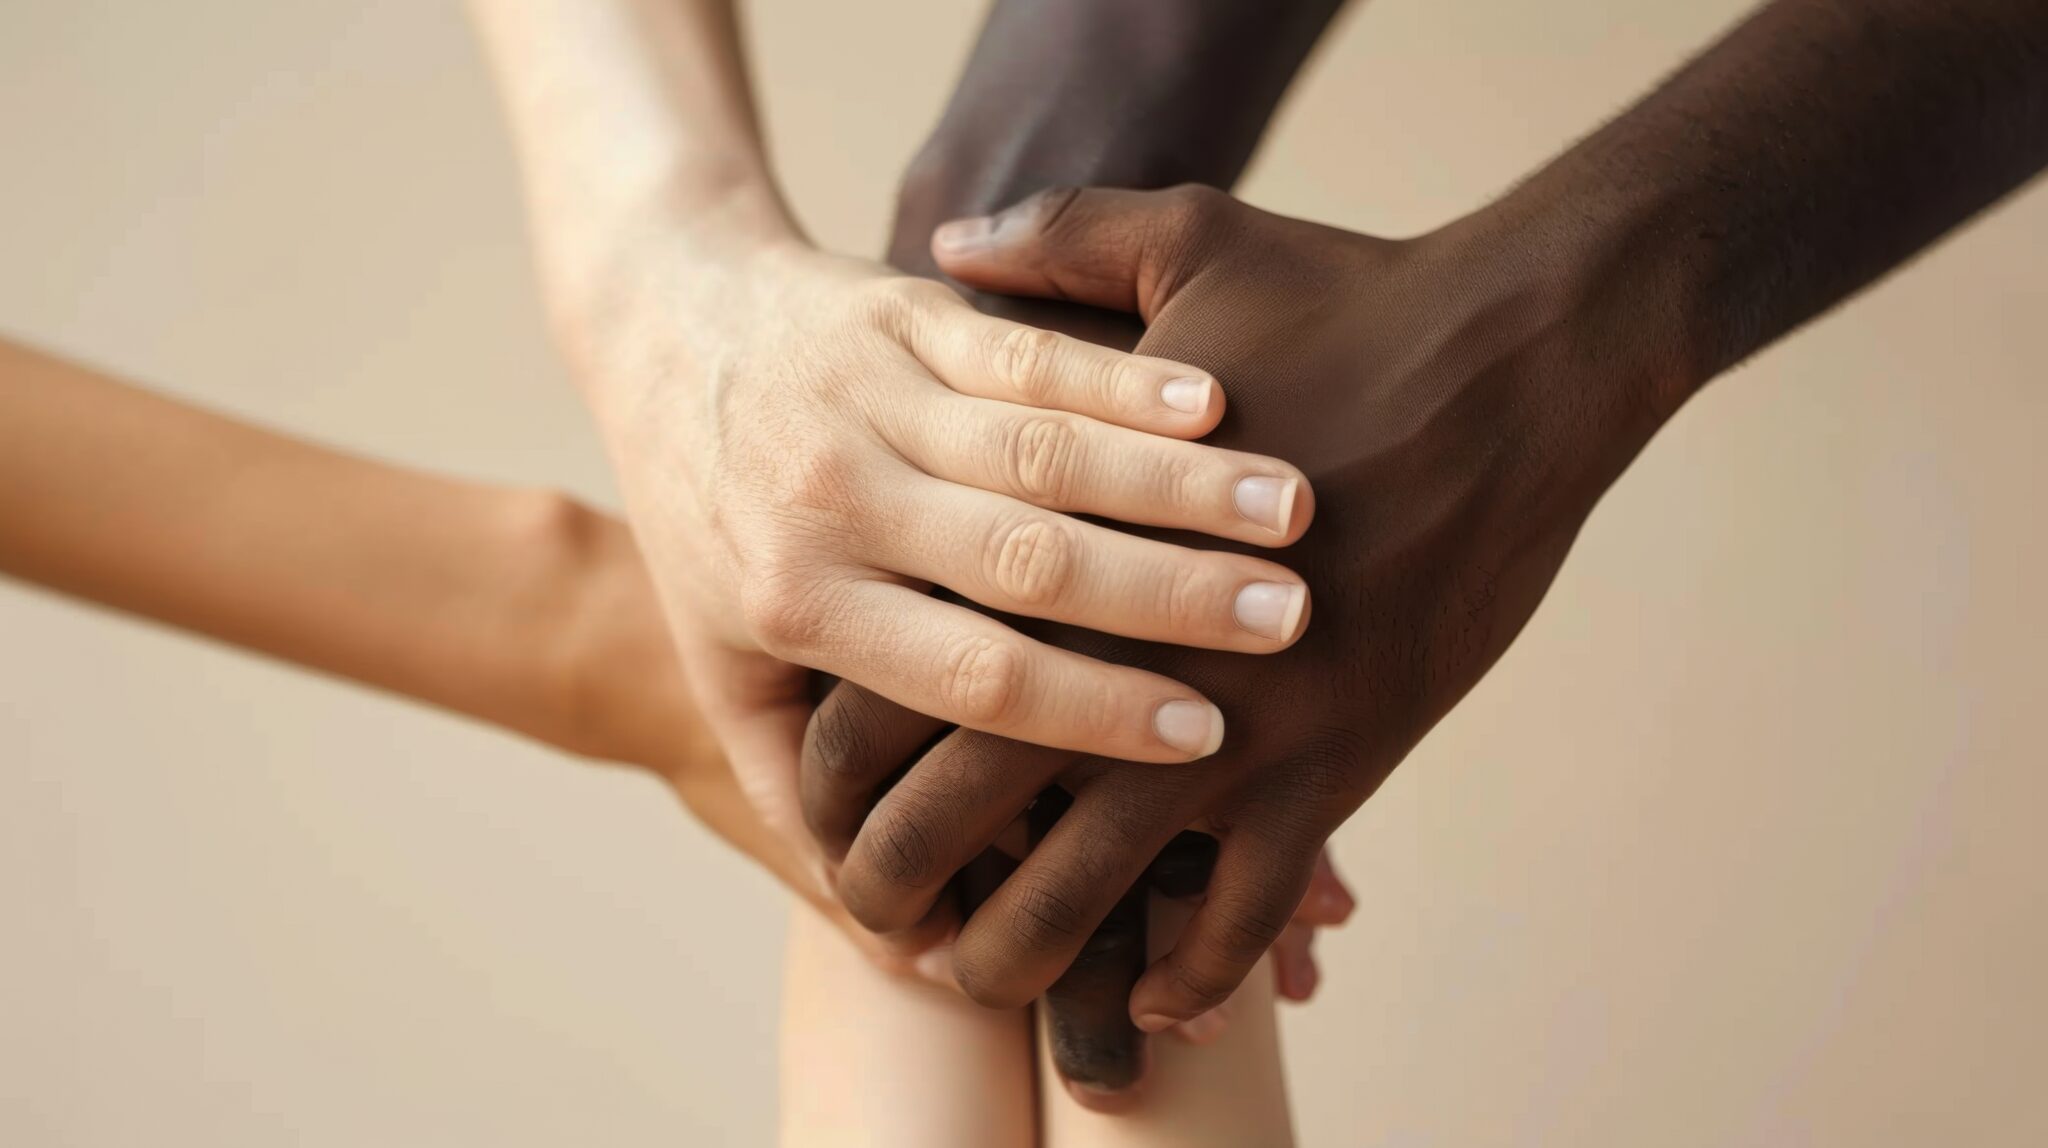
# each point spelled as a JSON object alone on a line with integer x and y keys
{"x": 1204, "y": 1028}
{"x": 964, "y": 234}
{"x": 1194, "y": 728}
{"x": 1155, "y": 1022}
{"x": 1269, "y": 502}
{"x": 1188, "y": 396}
{"x": 1271, "y": 609}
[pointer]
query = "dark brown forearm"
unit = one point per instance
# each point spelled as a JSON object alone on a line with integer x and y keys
{"x": 1113, "y": 93}
{"x": 1816, "y": 147}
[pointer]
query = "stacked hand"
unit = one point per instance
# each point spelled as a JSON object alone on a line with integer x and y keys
{"x": 1442, "y": 404}
{"x": 825, "y": 440}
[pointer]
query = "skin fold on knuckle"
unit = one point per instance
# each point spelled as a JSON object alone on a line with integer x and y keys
{"x": 1031, "y": 562}
{"x": 782, "y": 609}
{"x": 840, "y": 743}
{"x": 987, "y": 976}
{"x": 1042, "y": 453}
{"x": 1022, "y": 360}
{"x": 1194, "y": 990}
{"x": 901, "y": 844}
{"x": 981, "y": 681}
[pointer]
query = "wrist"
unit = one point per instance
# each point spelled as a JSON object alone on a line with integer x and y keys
{"x": 657, "y": 249}
{"x": 1589, "y": 334}
{"x": 652, "y": 283}
{"x": 565, "y": 623}
{"x": 1616, "y": 272}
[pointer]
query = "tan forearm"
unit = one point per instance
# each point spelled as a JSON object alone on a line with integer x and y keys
{"x": 457, "y": 594}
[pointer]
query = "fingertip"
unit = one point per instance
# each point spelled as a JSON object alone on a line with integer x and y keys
{"x": 1108, "y": 1101}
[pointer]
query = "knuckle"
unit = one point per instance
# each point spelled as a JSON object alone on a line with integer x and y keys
{"x": 893, "y": 302}
{"x": 1032, "y": 561}
{"x": 981, "y": 680}
{"x": 986, "y": 977}
{"x": 1042, "y": 453}
{"x": 839, "y": 745}
{"x": 1327, "y": 768}
{"x": 1197, "y": 205}
{"x": 1021, "y": 360}
{"x": 1200, "y": 987}
{"x": 1181, "y": 602}
{"x": 1051, "y": 211}
{"x": 780, "y": 608}
{"x": 1043, "y": 917}
{"x": 822, "y": 478}
{"x": 1120, "y": 384}
{"x": 1243, "y": 933}
{"x": 900, "y": 847}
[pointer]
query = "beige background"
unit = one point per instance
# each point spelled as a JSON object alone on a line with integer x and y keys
{"x": 1738, "y": 846}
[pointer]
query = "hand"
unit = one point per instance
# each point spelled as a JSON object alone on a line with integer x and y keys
{"x": 626, "y": 701}
{"x": 799, "y": 474}
{"x": 1458, "y": 403}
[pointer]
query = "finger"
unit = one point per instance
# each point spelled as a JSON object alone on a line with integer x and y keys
{"x": 997, "y": 359}
{"x": 1064, "y": 462}
{"x": 944, "y": 813}
{"x": 1019, "y": 559}
{"x": 1030, "y": 931}
{"x": 1108, "y": 248}
{"x": 1089, "y": 1033}
{"x": 854, "y": 741}
{"x": 1252, "y": 896}
{"x": 967, "y": 669}
{"x": 1294, "y": 965}
{"x": 1327, "y": 901}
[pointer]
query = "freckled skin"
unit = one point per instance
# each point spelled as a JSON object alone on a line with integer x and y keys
{"x": 1460, "y": 401}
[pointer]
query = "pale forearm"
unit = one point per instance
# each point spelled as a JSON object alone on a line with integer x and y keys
{"x": 450, "y": 592}
{"x": 627, "y": 115}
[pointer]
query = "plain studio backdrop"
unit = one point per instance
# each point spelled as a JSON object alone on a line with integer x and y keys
{"x": 1738, "y": 846}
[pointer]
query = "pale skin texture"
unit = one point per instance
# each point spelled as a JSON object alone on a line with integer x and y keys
{"x": 871, "y": 1060}
{"x": 808, "y": 442}
{"x": 531, "y": 612}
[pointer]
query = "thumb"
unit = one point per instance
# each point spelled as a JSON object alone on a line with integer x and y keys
{"x": 1124, "y": 250}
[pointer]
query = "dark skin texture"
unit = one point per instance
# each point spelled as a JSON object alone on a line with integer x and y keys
{"x": 1118, "y": 93}
{"x": 1460, "y": 400}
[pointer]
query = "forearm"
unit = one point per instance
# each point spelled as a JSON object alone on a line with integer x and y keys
{"x": 1817, "y": 146}
{"x": 456, "y": 594}
{"x": 629, "y": 115}
{"x": 1116, "y": 93}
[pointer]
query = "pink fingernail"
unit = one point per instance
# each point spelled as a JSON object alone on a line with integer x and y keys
{"x": 1267, "y": 501}
{"x": 963, "y": 235}
{"x": 1271, "y": 609}
{"x": 1194, "y": 728}
{"x": 1188, "y": 396}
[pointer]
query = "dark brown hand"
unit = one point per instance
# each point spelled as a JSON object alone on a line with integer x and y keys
{"x": 1460, "y": 402}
